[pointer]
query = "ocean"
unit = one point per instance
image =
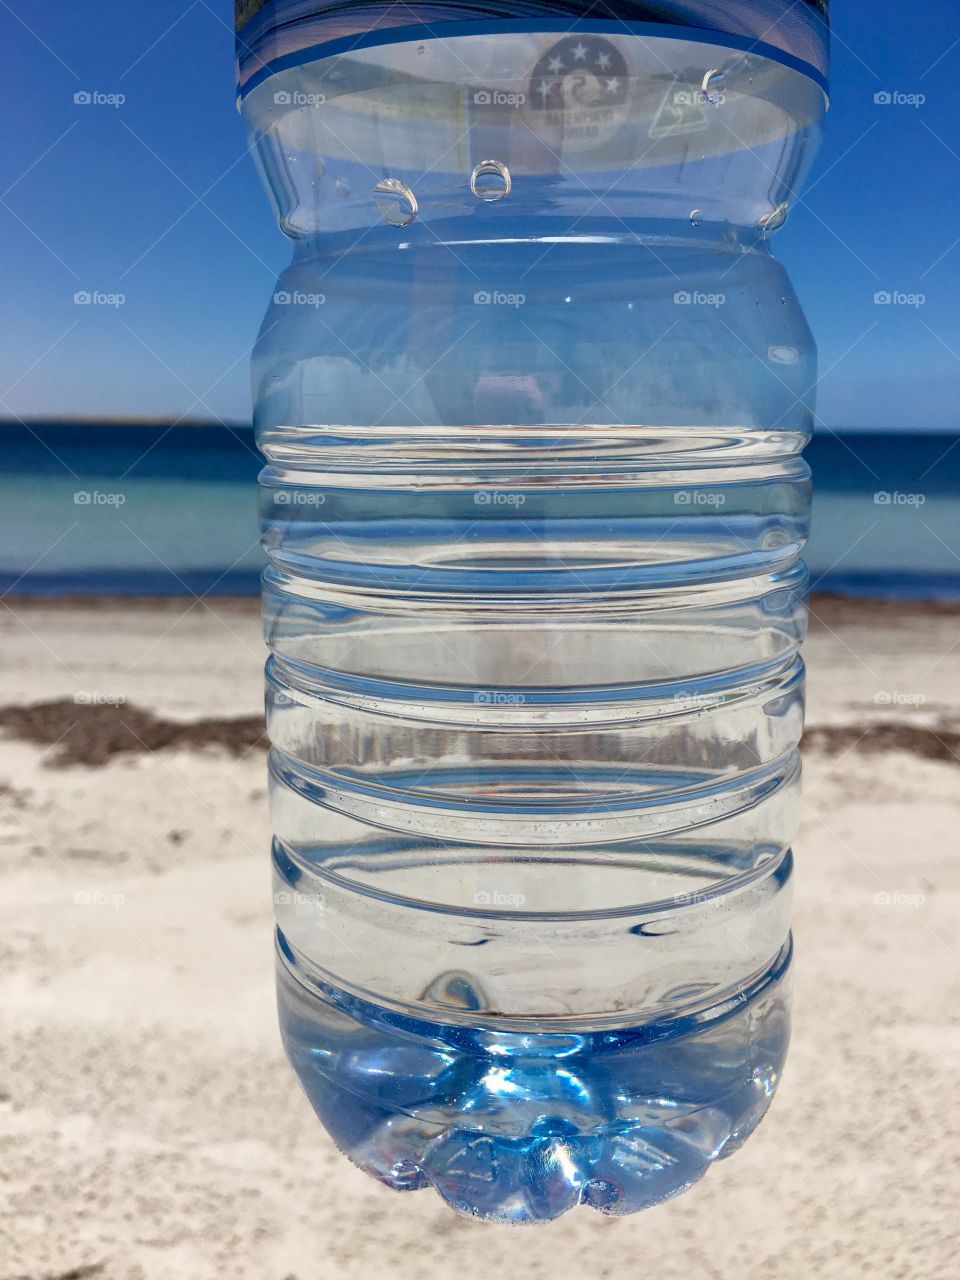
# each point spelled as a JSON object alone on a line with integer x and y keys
{"x": 144, "y": 508}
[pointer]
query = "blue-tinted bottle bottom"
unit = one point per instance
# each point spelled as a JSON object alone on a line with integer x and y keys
{"x": 513, "y": 1127}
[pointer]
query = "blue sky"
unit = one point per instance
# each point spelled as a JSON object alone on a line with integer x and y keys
{"x": 156, "y": 199}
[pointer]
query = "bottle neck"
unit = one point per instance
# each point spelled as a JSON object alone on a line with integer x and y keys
{"x": 585, "y": 134}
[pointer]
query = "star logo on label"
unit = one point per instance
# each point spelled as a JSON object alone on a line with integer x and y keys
{"x": 579, "y": 74}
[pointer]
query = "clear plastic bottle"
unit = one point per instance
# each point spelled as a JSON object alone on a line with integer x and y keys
{"x": 532, "y": 396}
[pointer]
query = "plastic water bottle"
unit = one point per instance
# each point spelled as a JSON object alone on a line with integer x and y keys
{"x": 532, "y": 396}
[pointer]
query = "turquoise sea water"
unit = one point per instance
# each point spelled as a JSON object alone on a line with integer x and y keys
{"x": 150, "y": 508}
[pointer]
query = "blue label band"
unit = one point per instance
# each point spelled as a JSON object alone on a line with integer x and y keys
{"x": 275, "y": 35}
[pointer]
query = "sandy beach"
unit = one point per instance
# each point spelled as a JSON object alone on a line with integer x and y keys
{"x": 150, "y": 1128}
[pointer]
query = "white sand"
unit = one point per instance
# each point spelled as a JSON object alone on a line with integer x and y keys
{"x": 149, "y": 1126}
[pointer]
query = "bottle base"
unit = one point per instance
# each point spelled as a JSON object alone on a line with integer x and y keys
{"x": 515, "y": 1127}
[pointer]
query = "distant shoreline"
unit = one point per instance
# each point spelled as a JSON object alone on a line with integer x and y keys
{"x": 826, "y": 604}
{"x": 220, "y": 424}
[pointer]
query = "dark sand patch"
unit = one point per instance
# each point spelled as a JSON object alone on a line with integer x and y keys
{"x": 937, "y": 743}
{"x": 91, "y": 734}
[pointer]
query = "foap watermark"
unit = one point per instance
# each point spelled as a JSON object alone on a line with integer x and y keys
{"x": 697, "y": 701}
{"x": 97, "y": 98}
{"x": 98, "y": 298}
{"x": 898, "y": 98}
{"x": 898, "y": 298}
{"x": 694, "y": 897}
{"x": 496, "y": 898}
{"x": 699, "y": 98}
{"x": 498, "y": 98}
{"x": 498, "y": 698}
{"x": 94, "y": 698}
{"x": 695, "y": 298}
{"x": 299, "y": 498}
{"x": 96, "y": 498}
{"x": 297, "y": 298}
{"x": 894, "y": 498}
{"x": 498, "y": 498}
{"x": 896, "y": 898}
{"x": 98, "y": 898}
{"x": 698, "y": 498}
{"x": 896, "y": 698}
{"x": 297, "y": 98}
{"x": 497, "y": 298}
{"x": 295, "y": 898}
